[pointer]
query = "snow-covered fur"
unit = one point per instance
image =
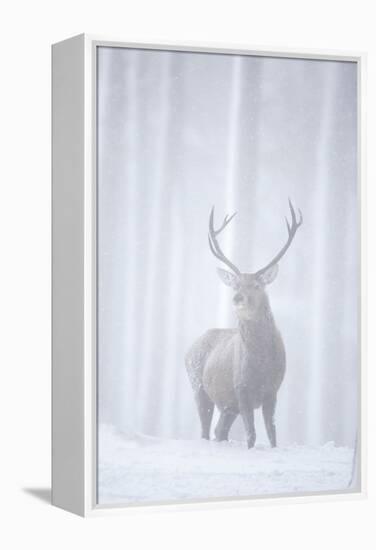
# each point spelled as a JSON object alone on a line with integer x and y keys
{"x": 239, "y": 370}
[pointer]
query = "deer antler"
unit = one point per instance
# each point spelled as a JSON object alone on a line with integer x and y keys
{"x": 213, "y": 243}
{"x": 291, "y": 230}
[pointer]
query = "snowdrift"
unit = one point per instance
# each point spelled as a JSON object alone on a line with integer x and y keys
{"x": 140, "y": 469}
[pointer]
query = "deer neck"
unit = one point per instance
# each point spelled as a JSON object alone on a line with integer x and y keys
{"x": 258, "y": 327}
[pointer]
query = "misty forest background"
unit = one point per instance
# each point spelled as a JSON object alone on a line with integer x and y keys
{"x": 177, "y": 133}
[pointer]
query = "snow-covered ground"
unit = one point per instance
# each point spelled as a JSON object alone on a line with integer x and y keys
{"x": 139, "y": 469}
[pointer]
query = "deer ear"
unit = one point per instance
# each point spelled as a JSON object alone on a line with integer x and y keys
{"x": 230, "y": 279}
{"x": 269, "y": 275}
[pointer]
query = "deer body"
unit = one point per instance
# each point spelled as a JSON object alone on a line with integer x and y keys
{"x": 240, "y": 370}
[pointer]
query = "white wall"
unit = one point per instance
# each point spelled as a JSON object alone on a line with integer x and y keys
{"x": 27, "y": 29}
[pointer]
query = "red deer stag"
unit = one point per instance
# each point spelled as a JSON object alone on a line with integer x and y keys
{"x": 241, "y": 369}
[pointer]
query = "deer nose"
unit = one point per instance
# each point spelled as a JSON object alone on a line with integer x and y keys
{"x": 238, "y": 298}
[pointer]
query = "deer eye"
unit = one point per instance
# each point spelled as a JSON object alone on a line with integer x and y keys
{"x": 238, "y": 298}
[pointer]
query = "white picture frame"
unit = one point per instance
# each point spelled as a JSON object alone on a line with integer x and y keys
{"x": 74, "y": 264}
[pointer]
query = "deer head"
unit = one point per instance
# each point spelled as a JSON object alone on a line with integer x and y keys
{"x": 250, "y": 294}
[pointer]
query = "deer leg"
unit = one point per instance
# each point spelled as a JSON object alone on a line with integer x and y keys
{"x": 224, "y": 424}
{"x": 268, "y": 410}
{"x": 205, "y": 410}
{"x": 247, "y": 413}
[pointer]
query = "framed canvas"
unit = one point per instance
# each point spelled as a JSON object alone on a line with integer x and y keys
{"x": 199, "y": 357}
